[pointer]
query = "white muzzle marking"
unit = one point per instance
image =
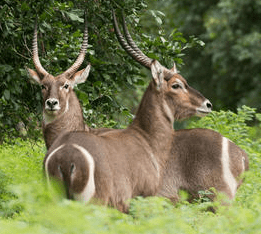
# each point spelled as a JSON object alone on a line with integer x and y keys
{"x": 52, "y": 104}
{"x": 203, "y": 110}
{"x": 49, "y": 116}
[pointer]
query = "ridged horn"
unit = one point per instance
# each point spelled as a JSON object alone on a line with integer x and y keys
{"x": 129, "y": 46}
{"x": 39, "y": 68}
{"x": 130, "y": 40}
{"x": 70, "y": 71}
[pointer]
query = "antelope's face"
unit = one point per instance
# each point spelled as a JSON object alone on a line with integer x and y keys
{"x": 180, "y": 100}
{"x": 56, "y": 91}
{"x": 186, "y": 100}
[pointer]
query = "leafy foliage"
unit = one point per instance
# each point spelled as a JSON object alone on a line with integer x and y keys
{"x": 227, "y": 68}
{"x": 26, "y": 206}
{"x": 229, "y": 30}
{"x": 5, "y": 197}
{"x": 229, "y": 124}
{"x": 60, "y": 26}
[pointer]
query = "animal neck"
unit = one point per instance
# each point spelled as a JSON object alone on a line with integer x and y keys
{"x": 154, "y": 120}
{"x": 69, "y": 120}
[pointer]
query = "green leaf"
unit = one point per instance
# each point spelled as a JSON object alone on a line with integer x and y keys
{"x": 74, "y": 17}
{"x": 4, "y": 68}
{"x": 97, "y": 84}
{"x": 7, "y": 94}
{"x": 159, "y": 21}
{"x": 258, "y": 116}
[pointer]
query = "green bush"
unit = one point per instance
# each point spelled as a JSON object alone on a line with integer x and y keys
{"x": 60, "y": 27}
{"x": 229, "y": 124}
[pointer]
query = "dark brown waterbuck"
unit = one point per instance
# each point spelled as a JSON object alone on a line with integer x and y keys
{"x": 199, "y": 159}
{"x": 61, "y": 107}
{"x": 115, "y": 166}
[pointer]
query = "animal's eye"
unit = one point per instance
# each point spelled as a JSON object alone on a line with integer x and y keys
{"x": 43, "y": 87}
{"x": 66, "y": 86}
{"x": 176, "y": 86}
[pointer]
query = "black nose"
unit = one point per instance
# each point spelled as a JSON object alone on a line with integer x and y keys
{"x": 209, "y": 105}
{"x": 51, "y": 103}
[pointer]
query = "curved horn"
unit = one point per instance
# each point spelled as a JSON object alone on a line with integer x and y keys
{"x": 39, "y": 68}
{"x": 128, "y": 46}
{"x": 130, "y": 40}
{"x": 70, "y": 71}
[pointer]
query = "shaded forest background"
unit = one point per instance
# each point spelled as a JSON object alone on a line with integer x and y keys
{"x": 216, "y": 45}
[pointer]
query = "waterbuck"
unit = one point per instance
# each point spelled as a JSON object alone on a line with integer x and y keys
{"x": 199, "y": 159}
{"x": 61, "y": 107}
{"x": 115, "y": 166}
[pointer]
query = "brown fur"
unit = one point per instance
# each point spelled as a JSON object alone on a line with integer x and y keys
{"x": 69, "y": 117}
{"x": 195, "y": 163}
{"x": 67, "y": 168}
{"x": 72, "y": 120}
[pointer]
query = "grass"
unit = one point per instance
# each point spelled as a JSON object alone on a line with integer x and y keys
{"x": 27, "y": 207}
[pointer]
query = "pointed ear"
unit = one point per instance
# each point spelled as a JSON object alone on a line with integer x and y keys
{"x": 174, "y": 69}
{"x": 157, "y": 71}
{"x": 35, "y": 78}
{"x": 81, "y": 76}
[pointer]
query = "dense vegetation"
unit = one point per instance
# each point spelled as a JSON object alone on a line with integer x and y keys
{"x": 60, "y": 27}
{"x": 220, "y": 47}
{"x": 226, "y": 69}
{"x": 27, "y": 207}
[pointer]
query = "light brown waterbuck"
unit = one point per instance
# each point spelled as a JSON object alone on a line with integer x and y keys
{"x": 115, "y": 166}
{"x": 200, "y": 158}
{"x": 61, "y": 107}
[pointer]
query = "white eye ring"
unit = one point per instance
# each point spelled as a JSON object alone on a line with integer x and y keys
{"x": 176, "y": 86}
{"x": 66, "y": 86}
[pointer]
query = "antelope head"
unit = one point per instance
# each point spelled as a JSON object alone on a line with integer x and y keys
{"x": 57, "y": 90}
{"x": 179, "y": 98}
{"x": 175, "y": 86}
